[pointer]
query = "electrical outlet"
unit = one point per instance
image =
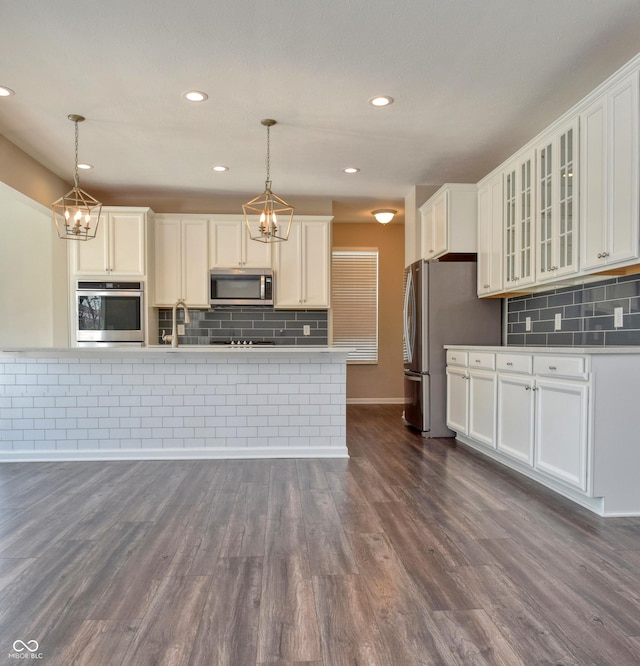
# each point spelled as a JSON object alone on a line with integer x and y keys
{"x": 617, "y": 317}
{"x": 558, "y": 322}
{"x": 527, "y": 324}
{"x": 180, "y": 329}
{"x": 306, "y": 329}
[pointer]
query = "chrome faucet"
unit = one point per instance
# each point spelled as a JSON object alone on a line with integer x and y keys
{"x": 173, "y": 338}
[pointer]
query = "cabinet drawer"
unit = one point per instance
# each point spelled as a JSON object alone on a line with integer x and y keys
{"x": 482, "y": 360}
{"x": 560, "y": 366}
{"x": 456, "y": 357}
{"x": 522, "y": 363}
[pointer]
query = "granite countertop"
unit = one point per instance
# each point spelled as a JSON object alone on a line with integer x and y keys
{"x": 566, "y": 351}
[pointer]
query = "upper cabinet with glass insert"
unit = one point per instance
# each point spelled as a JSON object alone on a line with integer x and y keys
{"x": 557, "y": 203}
{"x": 519, "y": 199}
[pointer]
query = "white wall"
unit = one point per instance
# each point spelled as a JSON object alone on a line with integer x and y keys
{"x": 33, "y": 274}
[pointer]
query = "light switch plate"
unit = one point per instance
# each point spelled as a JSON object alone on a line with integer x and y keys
{"x": 617, "y": 317}
{"x": 527, "y": 324}
{"x": 558, "y": 322}
{"x": 180, "y": 329}
{"x": 306, "y": 329}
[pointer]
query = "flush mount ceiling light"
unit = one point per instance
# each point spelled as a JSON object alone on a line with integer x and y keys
{"x": 220, "y": 168}
{"x": 76, "y": 214}
{"x": 195, "y": 96}
{"x": 384, "y": 215}
{"x": 85, "y": 166}
{"x": 6, "y": 92}
{"x": 351, "y": 170}
{"x": 381, "y": 100}
{"x": 268, "y": 217}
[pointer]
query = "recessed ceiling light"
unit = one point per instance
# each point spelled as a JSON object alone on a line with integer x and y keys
{"x": 6, "y": 92}
{"x": 84, "y": 165}
{"x": 220, "y": 168}
{"x": 381, "y": 100}
{"x": 195, "y": 96}
{"x": 351, "y": 170}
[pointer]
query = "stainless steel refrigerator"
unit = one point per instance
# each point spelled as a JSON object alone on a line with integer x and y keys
{"x": 440, "y": 307}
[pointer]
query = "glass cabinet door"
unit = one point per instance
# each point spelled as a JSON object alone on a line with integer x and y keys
{"x": 525, "y": 219}
{"x": 566, "y": 195}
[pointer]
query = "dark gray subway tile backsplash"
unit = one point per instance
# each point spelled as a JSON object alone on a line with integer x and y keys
{"x": 255, "y": 323}
{"x": 586, "y": 311}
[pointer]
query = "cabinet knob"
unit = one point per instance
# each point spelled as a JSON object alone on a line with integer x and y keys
{"x": 605, "y": 254}
{"x": 600, "y": 255}
{"x": 527, "y": 388}
{"x": 534, "y": 388}
{"x": 553, "y": 268}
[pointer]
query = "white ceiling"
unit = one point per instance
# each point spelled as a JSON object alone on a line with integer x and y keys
{"x": 473, "y": 80}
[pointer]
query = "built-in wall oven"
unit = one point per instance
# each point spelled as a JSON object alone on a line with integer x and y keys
{"x": 109, "y": 313}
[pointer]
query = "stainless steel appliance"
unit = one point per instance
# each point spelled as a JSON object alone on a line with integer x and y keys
{"x": 109, "y": 313}
{"x": 440, "y": 307}
{"x": 241, "y": 286}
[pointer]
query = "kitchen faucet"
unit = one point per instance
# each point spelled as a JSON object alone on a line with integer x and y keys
{"x": 173, "y": 338}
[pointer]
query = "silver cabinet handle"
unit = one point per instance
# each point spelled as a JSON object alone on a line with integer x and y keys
{"x": 477, "y": 360}
{"x": 605, "y": 254}
{"x": 454, "y": 358}
{"x": 527, "y": 388}
{"x": 509, "y": 363}
{"x": 534, "y": 388}
{"x": 553, "y": 268}
{"x": 552, "y": 367}
{"x": 486, "y": 286}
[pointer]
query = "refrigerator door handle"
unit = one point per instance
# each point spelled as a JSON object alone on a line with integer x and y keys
{"x": 409, "y": 335}
{"x": 414, "y": 378}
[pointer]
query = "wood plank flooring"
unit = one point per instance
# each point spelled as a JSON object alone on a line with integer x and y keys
{"x": 411, "y": 552}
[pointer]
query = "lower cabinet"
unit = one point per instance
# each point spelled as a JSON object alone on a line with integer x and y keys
{"x": 561, "y": 431}
{"x": 458, "y": 399}
{"x": 515, "y": 417}
{"x": 482, "y": 406}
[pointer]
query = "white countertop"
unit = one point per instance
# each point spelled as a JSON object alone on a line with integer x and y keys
{"x": 161, "y": 350}
{"x": 566, "y": 351}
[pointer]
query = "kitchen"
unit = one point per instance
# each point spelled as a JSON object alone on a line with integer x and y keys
{"x": 330, "y": 524}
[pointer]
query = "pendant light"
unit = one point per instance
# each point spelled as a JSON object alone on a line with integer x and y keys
{"x": 268, "y": 217}
{"x": 76, "y": 214}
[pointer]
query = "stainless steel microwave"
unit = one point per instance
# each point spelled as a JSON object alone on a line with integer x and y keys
{"x": 241, "y": 286}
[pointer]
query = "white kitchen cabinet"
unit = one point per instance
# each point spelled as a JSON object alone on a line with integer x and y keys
{"x": 490, "y": 248}
{"x": 458, "y": 399}
{"x": 302, "y": 265}
{"x": 557, "y": 203}
{"x": 231, "y": 247}
{"x": 119, "y": 248}
{"x": 609, "y": 178}
{"x": 482, "y": 406}
{"x": 449, "y": 221}
{"x": 518, "y": 223}
{"x": 181, "y": 261}
{"x": 515, "y": 414}
{"x": 561, "y": 430}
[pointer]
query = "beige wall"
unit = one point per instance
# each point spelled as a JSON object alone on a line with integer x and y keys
{"x": 382, "y": 382}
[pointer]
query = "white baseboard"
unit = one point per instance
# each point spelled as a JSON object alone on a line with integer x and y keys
{"x": 375, "y": 401}
{"x": 238, "y": 453}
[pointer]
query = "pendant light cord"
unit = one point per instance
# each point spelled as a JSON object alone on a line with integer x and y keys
{"x": 268, "y": 181}
{"x": 76, "y": 179}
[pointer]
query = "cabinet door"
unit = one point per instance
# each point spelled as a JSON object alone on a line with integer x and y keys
{"x": 516, "y": 417}
{"x": 92, "y": 257}
{"x": 609, "y": 178}
{"x": 518, "y": 196}
{"x": 441, "y": 223}
{"x": 316, "y": 266}
{"x": 256, "y": 254}
{"x": 557, "y": 168}
{"x": 225, "y": 243}
{"x": 195, "y": 262}
{"x": 168, "y": 262}
{"x": 561, "y": 431}
{"x": 428, "y": 220}
{"x": 458, "y": 400}
{"x": 126, "y": 244}
{"x": 482, "y": 407}
{"x": 288, "y": 270}
{"x": 490, "y": 237}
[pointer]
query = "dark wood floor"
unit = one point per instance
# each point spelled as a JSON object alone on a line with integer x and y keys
{"x": 412, "y": 552}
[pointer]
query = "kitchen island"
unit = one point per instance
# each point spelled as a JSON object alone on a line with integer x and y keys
{"x": 160, "y": 403}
